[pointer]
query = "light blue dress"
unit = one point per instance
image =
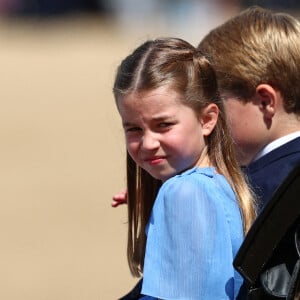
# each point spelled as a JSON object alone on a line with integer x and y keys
{"x": 193, "y": 235}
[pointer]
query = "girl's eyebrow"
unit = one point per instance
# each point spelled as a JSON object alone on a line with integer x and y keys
{"x": 162, "y": 117}
{"x": 128, "y": 124}
{"x": 154, "y": 118}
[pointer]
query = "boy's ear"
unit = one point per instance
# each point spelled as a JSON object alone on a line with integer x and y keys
{"x": 267, "y": 98}
{"x": 209, "y": 118}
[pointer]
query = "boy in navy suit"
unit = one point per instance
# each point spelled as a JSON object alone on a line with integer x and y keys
{"x": 256, "y": 55}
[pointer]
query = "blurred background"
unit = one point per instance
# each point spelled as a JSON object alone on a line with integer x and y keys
{"x": 61, "y": 143}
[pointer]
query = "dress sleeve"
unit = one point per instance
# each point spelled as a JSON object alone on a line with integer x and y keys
{"x": 189, "y": 251}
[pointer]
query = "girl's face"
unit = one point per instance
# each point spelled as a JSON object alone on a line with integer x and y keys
{"x": 163, "y": 136}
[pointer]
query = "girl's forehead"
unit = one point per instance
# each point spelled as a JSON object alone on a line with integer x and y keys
{"x": 159, "y": 96}
{"x": 150, "y": 102}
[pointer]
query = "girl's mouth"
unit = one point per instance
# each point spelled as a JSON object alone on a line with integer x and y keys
{"x": 154, "y": 160}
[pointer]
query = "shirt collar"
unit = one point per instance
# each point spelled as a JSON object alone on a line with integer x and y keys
{"x": 277, "y": 143}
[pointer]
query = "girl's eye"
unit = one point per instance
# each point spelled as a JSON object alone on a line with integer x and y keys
{"x": 132, "y": 129}
{"x": 165, "y": 124}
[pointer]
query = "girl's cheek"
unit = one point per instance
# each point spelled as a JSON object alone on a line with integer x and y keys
{"x": 132, "y": 148}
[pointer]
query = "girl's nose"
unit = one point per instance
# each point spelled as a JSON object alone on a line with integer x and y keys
{"x": 150, "y": 141}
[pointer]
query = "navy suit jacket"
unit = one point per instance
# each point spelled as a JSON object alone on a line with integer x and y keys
{"x": 268, "y": 172}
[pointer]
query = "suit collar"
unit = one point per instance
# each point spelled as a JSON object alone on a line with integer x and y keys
{"x": 286, "y": 149}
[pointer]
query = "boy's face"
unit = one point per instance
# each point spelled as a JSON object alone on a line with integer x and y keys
{"x": 247, "y": 125}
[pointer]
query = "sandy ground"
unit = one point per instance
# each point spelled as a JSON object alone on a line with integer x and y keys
{"x": 62, "y": 158}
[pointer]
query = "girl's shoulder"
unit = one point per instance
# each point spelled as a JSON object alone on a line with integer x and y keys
{"x": 197, "y": 182}
{"x": 195, "y": 176}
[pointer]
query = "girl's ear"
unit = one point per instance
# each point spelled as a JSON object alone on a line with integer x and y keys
{"x": 209, "y": 118}
{"x": 267, "y": 98}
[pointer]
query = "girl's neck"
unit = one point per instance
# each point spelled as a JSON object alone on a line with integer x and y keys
{"x": 203, "y": 160}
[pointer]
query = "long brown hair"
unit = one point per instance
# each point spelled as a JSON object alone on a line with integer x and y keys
{"x": 177, "y": 64}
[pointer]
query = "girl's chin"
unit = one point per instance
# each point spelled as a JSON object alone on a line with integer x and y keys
{"x": 162, "y": 177}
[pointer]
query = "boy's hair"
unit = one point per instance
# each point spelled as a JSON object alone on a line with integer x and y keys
{"x": 257, "y": 46}
{"x": 181, "y": 67}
